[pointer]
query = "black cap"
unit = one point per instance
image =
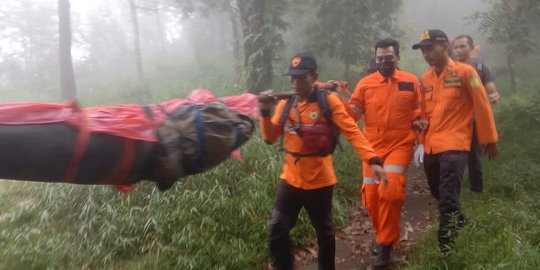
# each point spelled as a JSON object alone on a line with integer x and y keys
{"x": 430, "y": 37}
{"x": 302, "y": 63}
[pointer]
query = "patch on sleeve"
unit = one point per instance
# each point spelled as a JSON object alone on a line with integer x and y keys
{"x": 406, "y": 86}
{"x": 475, "y": 81}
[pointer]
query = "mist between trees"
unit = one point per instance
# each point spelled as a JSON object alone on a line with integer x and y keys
{"x": 143, "y": 50}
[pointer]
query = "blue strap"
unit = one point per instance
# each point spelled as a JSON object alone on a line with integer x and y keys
{"x": 200, "y": 136}
{"x": 236, "y": 143}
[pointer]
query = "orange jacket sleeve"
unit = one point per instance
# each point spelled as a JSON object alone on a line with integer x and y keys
{"x": 349, "y": 129}
{"x": 485, "y": 123}
{"x": 269, "y": 125}
{"x": 357, "y": 100}
{"x": 348, "y": 107}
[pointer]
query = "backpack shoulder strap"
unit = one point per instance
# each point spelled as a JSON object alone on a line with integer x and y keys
{"x": 326, "y": 111}
{"x": 480, "y": 70}
{"x": 479, "y": 67}
{"x": 283, "y": 117}
{"x": 322, "y": 101}
{"x": 285, "y": 112}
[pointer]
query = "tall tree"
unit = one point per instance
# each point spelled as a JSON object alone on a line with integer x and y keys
{"x": 236, "y": 39}
{"x": 261, "y": 25}
{"x": 348, "y": 29}
{"x": 107, "y": 44}
{"x": 137, "y": 49}
{"x": 67, "y": 77}
{"x": 511, "y": 23}
{"x": 159, "y": 26}
{"x": 155, "y": 9}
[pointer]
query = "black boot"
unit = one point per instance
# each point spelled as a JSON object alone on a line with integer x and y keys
{"x": 461, "y": 221}
{"x": 446, "y": 241}
{"x": 382, "y": 261}
{"x": 376, "y": 248}
{"x": 445, "y": 245}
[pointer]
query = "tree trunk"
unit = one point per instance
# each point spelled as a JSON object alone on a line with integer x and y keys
{"x": 28, "y": 45}
{"x": 159, "y": 25}
{"x": 138, "y": 55}
{"x": 67, "y": 77}
{"x": 257, "y": 50}
{"x": 236, "y": 44}
{"x": 347, "y": 70}
{"x": 511, "y": 71}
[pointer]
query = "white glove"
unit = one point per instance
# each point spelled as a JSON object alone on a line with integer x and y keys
{"x": 418, "y": 157}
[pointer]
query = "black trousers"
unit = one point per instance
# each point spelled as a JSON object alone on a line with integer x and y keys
{"x": 444, "y": 172}
{"x": 318, "y": 204}
{"x": 476, "y": 183}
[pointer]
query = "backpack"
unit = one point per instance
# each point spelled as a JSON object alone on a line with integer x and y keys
{"x": 326, "y": 112}
{"x": 479, "y": 66}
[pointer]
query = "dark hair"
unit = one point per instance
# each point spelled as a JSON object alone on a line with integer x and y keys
{"x": 469, "y": 39}
{"x": 385, "y": 43}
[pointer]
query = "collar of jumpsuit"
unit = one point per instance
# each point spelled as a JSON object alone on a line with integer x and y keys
{"x": 383, "y": 79}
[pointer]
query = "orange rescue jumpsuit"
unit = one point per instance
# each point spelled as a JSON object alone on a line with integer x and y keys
{"x": 389, "y": 105}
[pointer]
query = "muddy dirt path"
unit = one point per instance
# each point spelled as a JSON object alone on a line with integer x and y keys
{"x": 354, "y": 241}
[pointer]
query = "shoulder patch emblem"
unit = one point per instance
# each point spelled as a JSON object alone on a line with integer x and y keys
{"x": 313, "y": 115}
{"x": 475, "y": 82}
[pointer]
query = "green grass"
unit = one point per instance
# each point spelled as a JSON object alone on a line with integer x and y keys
{"x": 216, "y": 220}
{"x": 504, "y": 228}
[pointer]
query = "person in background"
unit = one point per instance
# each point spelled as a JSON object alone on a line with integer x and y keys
{"x": 371, "y": 66}
{"x": 389, "y": 101}
{"x": 308, "y": 178}
{"x": 463, "y": 48}
{"x": 452, "y": 93}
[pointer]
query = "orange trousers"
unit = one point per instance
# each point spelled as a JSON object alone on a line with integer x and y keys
{"x": 384, "y": 202}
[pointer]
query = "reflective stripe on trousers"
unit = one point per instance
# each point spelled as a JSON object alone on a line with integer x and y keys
{"x": 370, "y": 180}
{"x": 395, "y": 168}
{"x": 387, "y": 168}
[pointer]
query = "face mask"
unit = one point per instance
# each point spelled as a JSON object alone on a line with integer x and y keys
{"x": 386, "y": 68}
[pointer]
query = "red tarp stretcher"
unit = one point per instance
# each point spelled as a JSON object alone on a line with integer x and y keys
{"x": 136, "y": 142}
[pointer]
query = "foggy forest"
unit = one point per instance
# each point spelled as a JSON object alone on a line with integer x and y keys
{"x": 139, "y": 52}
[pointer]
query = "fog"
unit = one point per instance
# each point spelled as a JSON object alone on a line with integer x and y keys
{"x": 142, "y": 50}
